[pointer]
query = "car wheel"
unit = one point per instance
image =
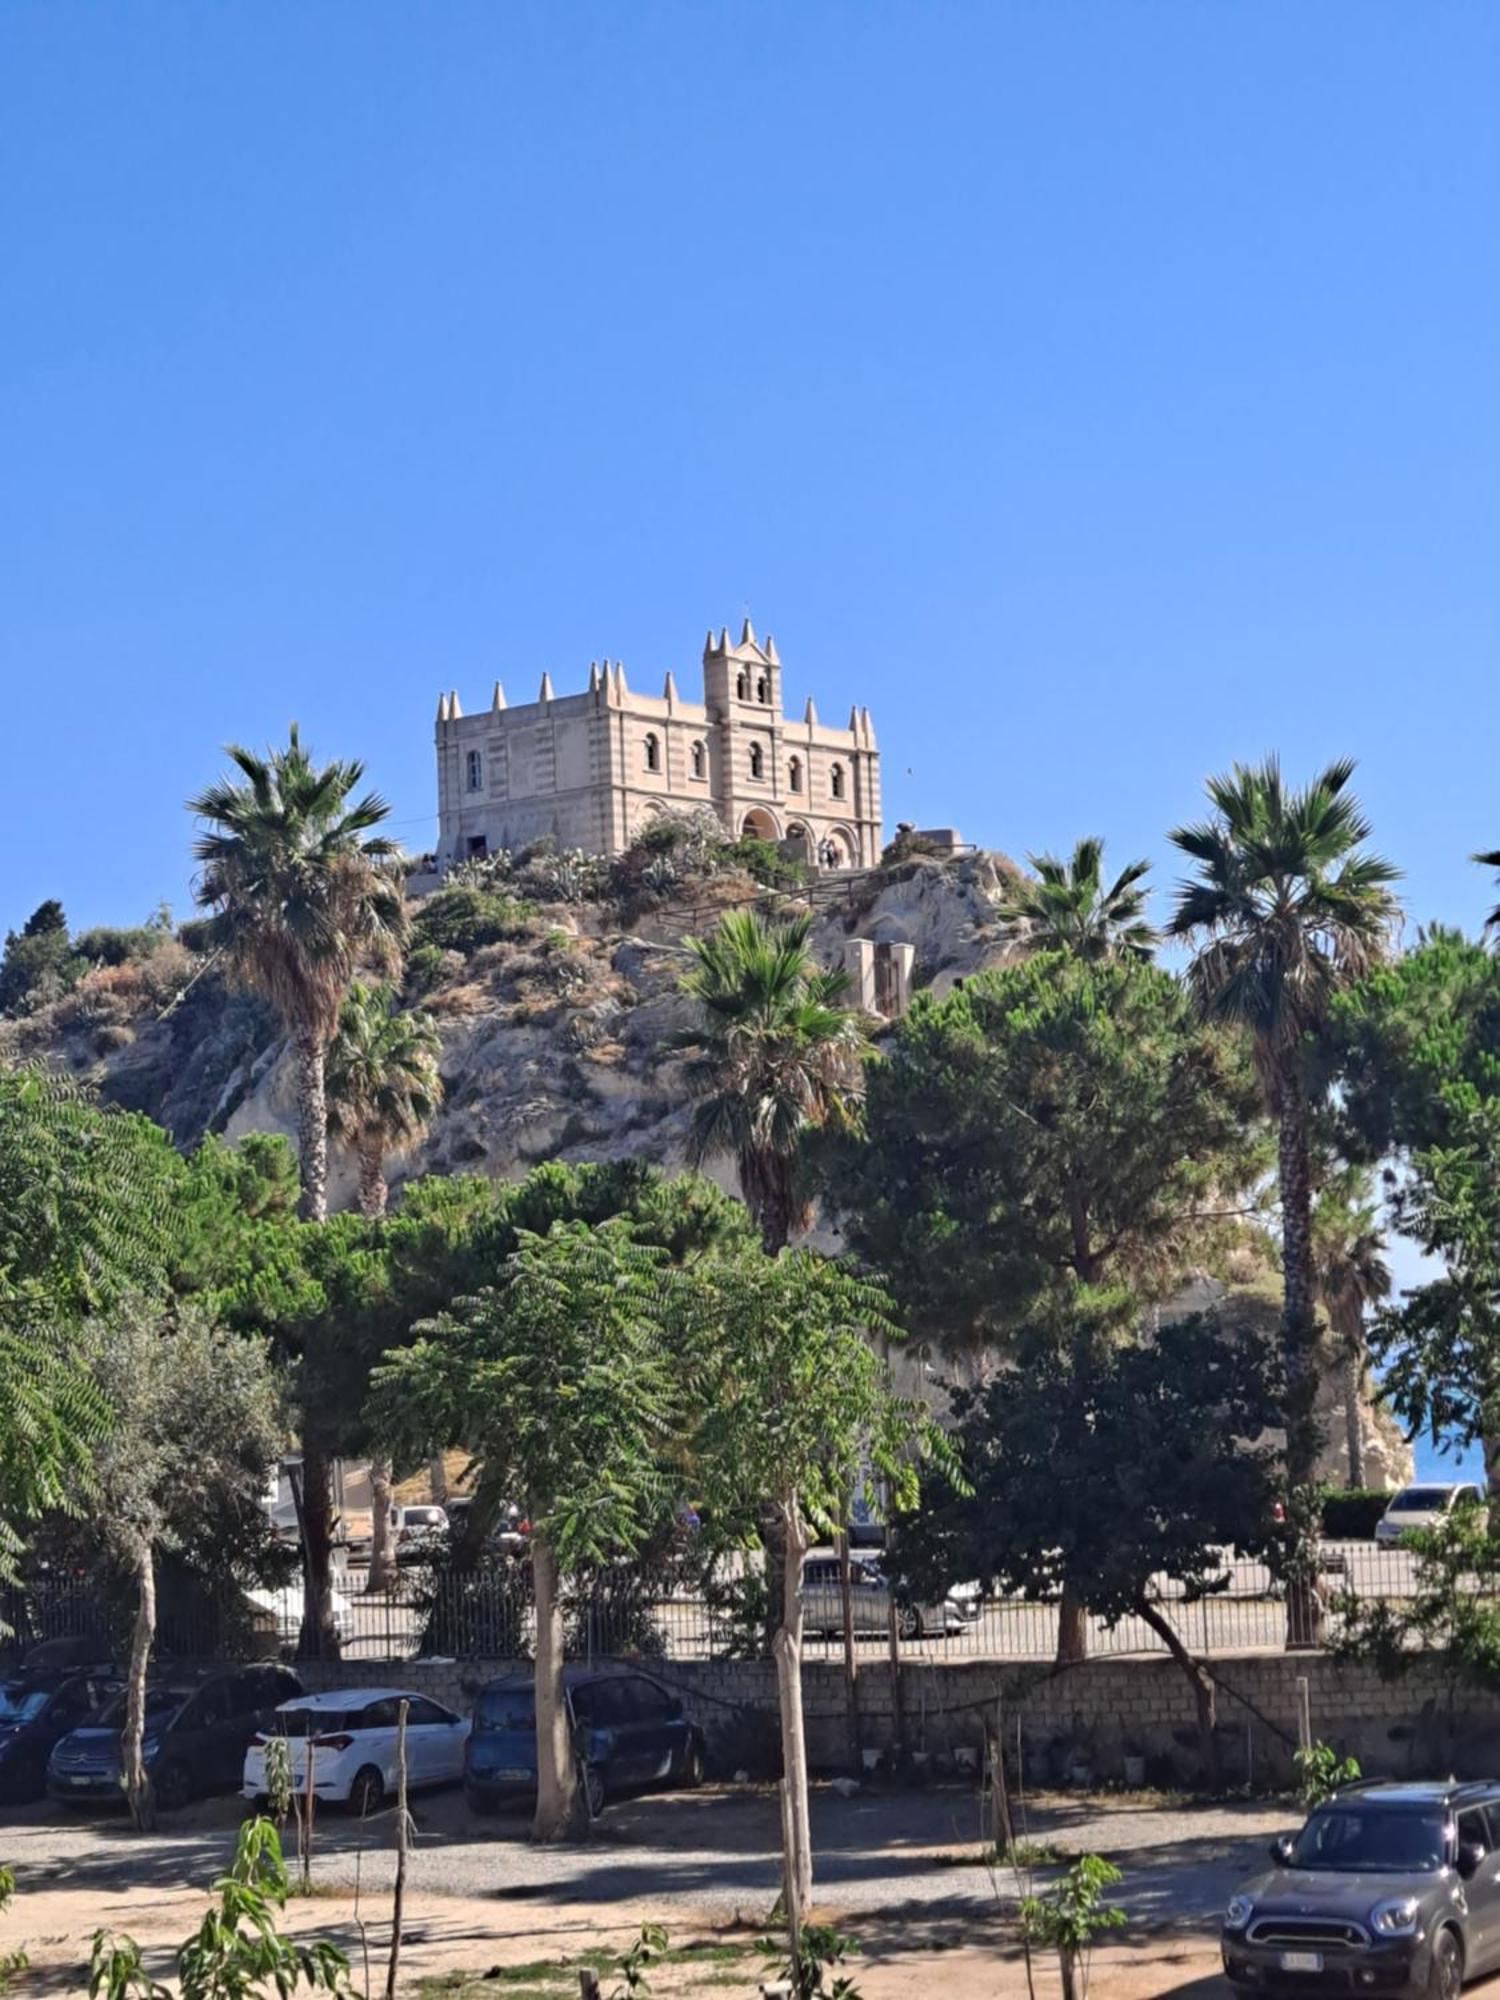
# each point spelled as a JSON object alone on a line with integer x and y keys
{"x": 909, "y": 1622}
{"x": 692, "y": 1765}
{"x": 591, "y": 1778}
{"x": 170, "y": 1784}
{"x": 1447, "y": 1976}
{"x": 367, "y": 1791}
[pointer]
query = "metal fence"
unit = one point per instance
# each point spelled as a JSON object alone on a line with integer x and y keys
{"x": 683, "y": 1613}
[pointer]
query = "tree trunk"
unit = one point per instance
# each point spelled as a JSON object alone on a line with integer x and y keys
{"x": 1067, "y": 1966}
{"x": 1299, "y": 1337}
{"x": 437, "y": 1479}
{"x": 1072, "y": 1628}
{"x": 766, "y": 1184}
{"x": 558, "y": 1804}
{"x": 1352, "y": 1370}
{"x": 788, "y": 1653}
{"x": 138, "y": 1793}
{"x": 851, "y": 1658}
{"x": 398, "y": 1898}
{"x": 318, "y": 1639}
{"x": 382, "y": 1552}
{"x": 1204, "y": 1692}
{"x": 312, "y": 1127}
{"x": 373, "y": 1192}
{"x": 1490, "y": 1438}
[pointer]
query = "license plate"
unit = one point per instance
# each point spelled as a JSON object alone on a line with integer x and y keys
{"x": 515, "y": 1777}
{"x": 1302, "y": 1961}
{"x": 80, "y": 1781}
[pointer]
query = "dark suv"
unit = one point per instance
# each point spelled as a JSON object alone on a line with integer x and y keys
{"x": 1389, "y": 1888}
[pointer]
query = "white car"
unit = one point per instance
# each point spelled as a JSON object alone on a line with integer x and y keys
{"x": 1422, "y": 1507}
{"x": 352, "y": 1732}
{"x": 869, "y": 1602}
{"x": 276, "y": 1615}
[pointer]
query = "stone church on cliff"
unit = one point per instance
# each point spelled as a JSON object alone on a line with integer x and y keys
{"x": 591, "y": 769}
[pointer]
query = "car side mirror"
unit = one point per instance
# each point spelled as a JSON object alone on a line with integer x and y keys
{"x": 1470, "y": 1854}
{"x": 1283, "y": 1847}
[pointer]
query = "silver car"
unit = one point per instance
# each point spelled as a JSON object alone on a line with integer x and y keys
{"x": 870, "y": 1602}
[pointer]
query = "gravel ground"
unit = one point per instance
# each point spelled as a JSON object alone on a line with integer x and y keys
{"x": 713, "y": 1852}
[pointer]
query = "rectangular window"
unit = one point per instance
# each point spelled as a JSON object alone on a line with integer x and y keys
{"x": 476, "y": 771}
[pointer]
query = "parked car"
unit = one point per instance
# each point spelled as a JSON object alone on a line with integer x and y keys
{"x": 631, "y": 1732}
{"x": 353, "y": 1734}
{"x": 196, "y": 1732}
{"x": 421, "y": 1532}
{"x": 1388, "y": 1888}
{"x": 36, "y": 1711}
{"x": 511, "y": 1534}
{"x": 1422, "y": 1507}
{"x": 276, "y": 1614}
{"x": 869, "y": 1602}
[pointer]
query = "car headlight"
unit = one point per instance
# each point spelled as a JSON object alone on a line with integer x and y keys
{"x": 1239, "y": 1912}
{"x": 1397, "y": 1918}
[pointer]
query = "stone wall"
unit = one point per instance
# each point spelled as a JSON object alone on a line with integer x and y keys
{"x": 1092, "y": 1714}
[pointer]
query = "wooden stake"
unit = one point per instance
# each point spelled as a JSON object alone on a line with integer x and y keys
{"x": 400, "y": 1895}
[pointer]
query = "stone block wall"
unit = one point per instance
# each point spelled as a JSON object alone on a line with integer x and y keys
{"x": 1096, "y": 1713}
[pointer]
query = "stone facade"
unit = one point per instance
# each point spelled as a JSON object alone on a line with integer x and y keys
{"x": 590, "y": 770}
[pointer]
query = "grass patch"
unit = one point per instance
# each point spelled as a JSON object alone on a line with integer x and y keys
{"x": 1023, "y": 1854}
{"x": 546, "y": 1978}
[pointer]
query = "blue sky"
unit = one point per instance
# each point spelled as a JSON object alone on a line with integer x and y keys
{"x": 1098, "y": 392}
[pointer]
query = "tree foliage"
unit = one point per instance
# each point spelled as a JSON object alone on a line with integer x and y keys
{"x": 1069, "y": 907}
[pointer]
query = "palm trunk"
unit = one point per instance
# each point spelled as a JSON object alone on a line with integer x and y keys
{"x": 318, "y": 1639}
{"x": 132, "y": 1763}
{"x": 1072, "y": 1628}
{"x": 373, "y": 1192}
{"x": 1299, "y": 1333}
{"x": 766, "y": 1184}
{"x": 788, "y": 1651}
{"x": 382, "y": 1552}
{"x": 312, "y": 1126}
{"x": 557, "y": 1797}
{"x": 1350, "y": 1325}
{"x": 1490, "y": 1438}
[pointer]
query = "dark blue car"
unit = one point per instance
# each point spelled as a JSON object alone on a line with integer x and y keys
{"x": 37, "y": 1709}
{"x": 629, "y": 1729}
{"x": 196, "y": 1735}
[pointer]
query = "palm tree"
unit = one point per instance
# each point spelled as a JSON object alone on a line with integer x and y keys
{"x": 1350, "y": 1274}
{"x": 1068, "y": 908}
{"x": 299, "y": 895}
{"x": 1491, "y": 860}
{"x": 383, "y": 1092}
{"x": 778, "y": 1057}
{"x": 1285, "y": 911}
{"x": 298, "y": 898}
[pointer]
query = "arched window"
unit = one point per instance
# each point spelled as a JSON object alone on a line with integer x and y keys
{"x": 698, "y": 760}
{"x": 760, "y": 688}
{"x": 742, "y": 686}
{"x": 476, "y": 771}
{"x": 836, "y": 781}
{"x": 653, "y": 753}
{"x": 794, "y": 774}
{"x": 757, "y": 760}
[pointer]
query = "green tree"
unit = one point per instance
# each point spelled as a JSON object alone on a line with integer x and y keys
{"x": 384, "y": 1088}
{"x": 1052, "y": 1129}
{"x": 1104, "y": 1464}
{"x": 1415, "y": 1048}
{"x": 1068, "y": 907}
{"x": 793, "y": 1404}
{"x": 39, "y": 965}
{"x": 299, "y": 896}
{"x": 778, "y": 1057}
{"x": 561, "y": 1384}
{"x": 1286, "y": 910}
{"x": 194, "y": 1423}
{"x": 1069, "y": 1916}
{"x": 1350, "y": 1275}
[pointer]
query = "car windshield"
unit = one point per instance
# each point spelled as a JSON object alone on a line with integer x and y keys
{"x": 1420, "y": 1500}
{"x": 160, "y": 1703}
{"x": 19, "y": 1704}
{"x": 1382, "y": 1840}
{"x": 505, "y": 1708}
